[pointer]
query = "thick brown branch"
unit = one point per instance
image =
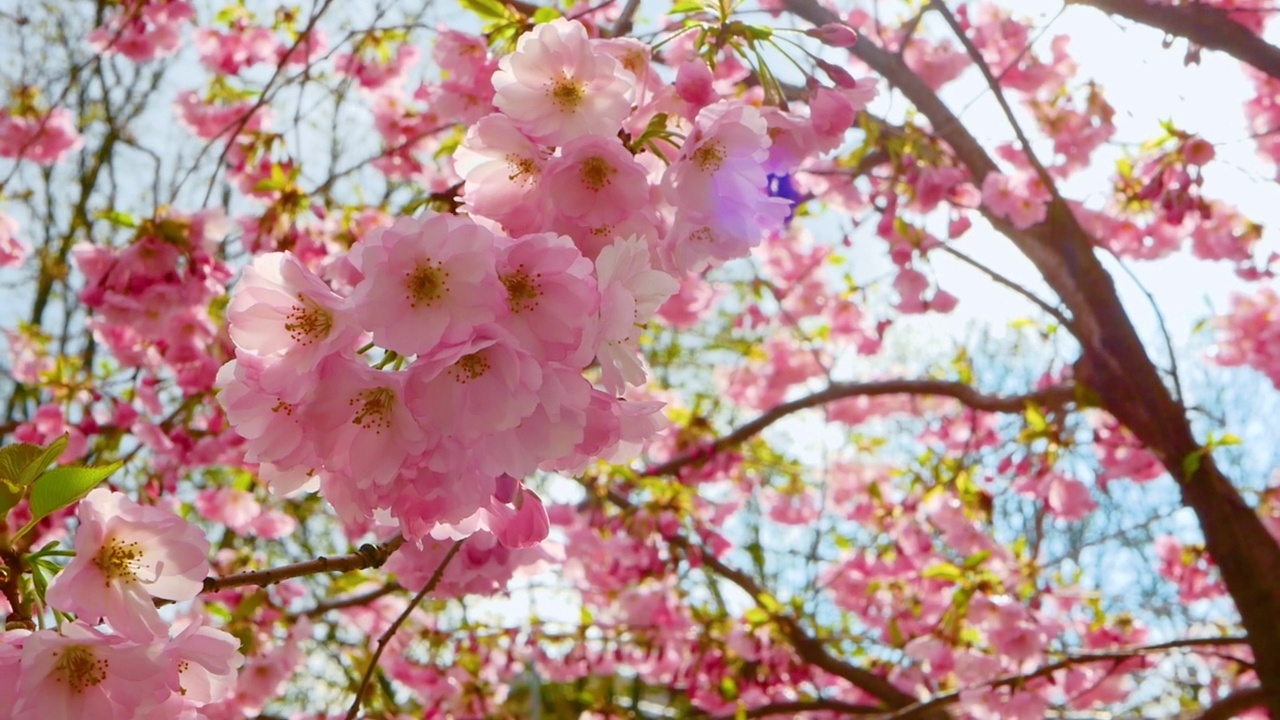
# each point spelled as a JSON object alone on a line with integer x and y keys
{"x": 1053, "y": 397}
{"x": 1202, "y": 24}
{"x": 368, "y": 556}
{"x": 1114, "y": 364}
{"x": 1234, "y": 704}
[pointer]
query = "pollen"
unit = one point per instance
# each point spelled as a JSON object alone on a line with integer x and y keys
{"x": 523, "y": 291}
{"x": 426, "y": 284}
{"x": 597, "y": 173}
{"x": 709, "y": 157}
{"x": 119, "y": 560}
{"x": 374, "y": 409}
{"x": 307, "y": 322}
{"x": 79, "y": 668}
{"x": 521, "y": 169}
{"x": 469, "y": 368}
{"x": 566, "y": 94}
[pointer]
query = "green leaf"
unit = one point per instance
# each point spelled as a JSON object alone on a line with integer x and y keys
{"x": 15, "y": 458}
{"x": 62, "y": 486}
{"x": 545, "y": 15}
{"x": 682, "y": 7}
{"x": 10, "y": 495}
{"x": 728, "y": 688}
{"x": 487, "y": 9}
{"x": 976, "y": 559}
{"x": 755, "y": 617}
{"x": 117, "y": 218}
{"x": 942, "y": 571}
{"x": 1191, "y": 463}
{"x": 43, "y": 461}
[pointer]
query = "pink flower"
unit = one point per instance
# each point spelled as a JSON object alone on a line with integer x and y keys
{"x": 1022, "y": 203}
{"x": 428, "y": 281}
{"x": 719, "y": 187}
{"x": 630, "y": 292}
{"x": 228, "y": 53}
{"x": 143, "y": 29}
{"x": 41, "y": 139}
{"x": 285, "y": 315}
{"x": 80, "y": 672}
{"x": 127, "y": 554}
{"x": 378, "y": 71}
{"x": 501, "y": 170}
{"x": 12, "y": 251}
{"x": 558, "y": 86}
{"x": 362, "y": 422}
{"x": 596, "y": 181}
{"x": 551, "y": 294}
{"x": 273, "y": 428}
{"x": 486, "y": 386}
{"x": 207, "y": 659}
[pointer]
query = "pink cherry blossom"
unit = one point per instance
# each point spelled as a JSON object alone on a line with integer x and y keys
{"x": 1022, "y": 203}
{"x": 43, "y": 139}
{"x": 12, "y": 250}
{"x": 78, "y": 671}
{"x": 362, "y": 422}
{"x": 143, "y": 30}
{"x": 126, "y": 555}
{"x": 719, "y": 187}
{"x": 285, "y": 315}
{"x": 206, "y": 658}
{"x": 551, "y": 294}
{"x": 428, "y": 281}
{"x": 558, "y": 86}
{"x": 501, "y": 170}
{"x": 630, "y": 293}
{"x": 230, "y": 52}
{"x": 596, "y": 181}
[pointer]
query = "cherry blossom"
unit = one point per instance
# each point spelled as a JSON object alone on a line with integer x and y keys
{"x": 127, "y": 554}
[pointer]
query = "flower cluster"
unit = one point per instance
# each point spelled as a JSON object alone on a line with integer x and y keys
{"x": 127, "y": 555}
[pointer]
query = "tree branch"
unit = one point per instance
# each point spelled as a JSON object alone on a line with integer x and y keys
{"x": 1202, "y": 24}
{"x": 1054, "y": 397}
{"x": 791, "y": 709}
{"x": 1234, "y": 704}
{"x": 395, "y": 626}
{"x": 1114, "y": 364}
{"x": 921, "y": 709}
{"x": 368, "y": 556}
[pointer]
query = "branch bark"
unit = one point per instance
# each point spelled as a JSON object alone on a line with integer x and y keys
{"x": 368, "y": 556}
{"x": 1203, "y": 25}
{"x": 1114, "y": 364}
{"x": 1053, "y": 397}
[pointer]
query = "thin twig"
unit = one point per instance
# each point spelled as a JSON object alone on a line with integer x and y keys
{"x": 395, "y": 626}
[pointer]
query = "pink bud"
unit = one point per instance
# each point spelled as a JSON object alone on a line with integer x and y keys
{"x": 1198, "y": 152}
{"x": 838, "y": 75}
{"x": 528, "y": 526}
{"x": 693, "y": 83}
{"x": 834, "y": 34}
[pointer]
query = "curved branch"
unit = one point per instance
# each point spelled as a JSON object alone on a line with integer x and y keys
{"x": 368, "y": 556}
{"x": 1056, "y": 396}
{"x": 1114, "y": 364}
{"x": 937, "y": 702}
{"x": 791, "y": 709}
{"x": 1234, "y": 704}
{"x": 1204, "y": 25}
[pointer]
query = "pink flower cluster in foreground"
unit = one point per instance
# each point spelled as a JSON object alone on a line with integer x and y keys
{"x": 119, "y": 660}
